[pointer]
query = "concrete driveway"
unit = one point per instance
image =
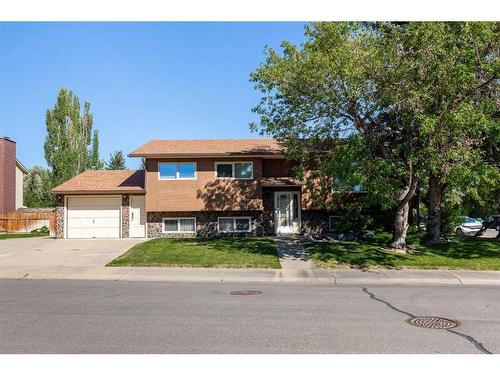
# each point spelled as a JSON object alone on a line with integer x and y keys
{"x": 49, "y": 252}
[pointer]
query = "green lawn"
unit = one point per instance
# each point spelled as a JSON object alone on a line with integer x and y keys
{"x": 5, "y": 236}
{"x": 459, "y": 253}
{"x": 248, "y": 252}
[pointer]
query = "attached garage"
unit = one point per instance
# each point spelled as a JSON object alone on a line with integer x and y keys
{"x": 93, "y": 217}
{"x": 101, "y": 204}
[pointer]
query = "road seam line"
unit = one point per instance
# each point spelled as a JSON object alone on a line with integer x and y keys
{"x": 471, "y": 339}
{"x": 452, "y": 275}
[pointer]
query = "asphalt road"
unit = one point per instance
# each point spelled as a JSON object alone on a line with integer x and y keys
{"x": 59, "y": 316}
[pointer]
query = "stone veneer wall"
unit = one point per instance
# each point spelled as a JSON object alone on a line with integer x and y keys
{"x": 206, "y": 223}
{"x": 125, "y": 232}
{"x": 315, "y": 222}
{"x": 59, "y": 216}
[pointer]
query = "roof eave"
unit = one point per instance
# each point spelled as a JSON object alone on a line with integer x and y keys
{"x": 21, "y": 167}
{"x": 88, "y": 192}
{"x": 212, "y": 155}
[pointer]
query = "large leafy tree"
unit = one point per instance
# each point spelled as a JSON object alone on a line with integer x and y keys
{"x": 116, "y": 161}
{"x": 330, "y": 101}
{"x": 37, "y": 183}
{"x": 71, "y": 146}
{"x": 363, "y": 102}
{"x": 453, "y": 72}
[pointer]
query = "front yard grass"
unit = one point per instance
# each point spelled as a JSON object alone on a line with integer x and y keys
{"x": 6, "y": 236}
{"x": 458, "y": 253}
{"x": 245, "y": 252}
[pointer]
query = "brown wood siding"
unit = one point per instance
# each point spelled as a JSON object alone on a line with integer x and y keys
{"x": 204, "y": 193}
{"x": 276, "y": 168}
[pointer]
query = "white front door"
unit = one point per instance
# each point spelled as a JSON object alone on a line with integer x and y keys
{"x": 287, "y": 212}
{"x": 137, "y": 216}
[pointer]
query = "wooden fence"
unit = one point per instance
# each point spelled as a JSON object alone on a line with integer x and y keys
{"x": 25, "y": 222}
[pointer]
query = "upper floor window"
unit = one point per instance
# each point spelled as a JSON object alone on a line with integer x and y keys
{"x": 234, "y": 170}
{"x": 177, "y": 171}
{"x": 358, "y": 188}
{"x": 339, "y": 185}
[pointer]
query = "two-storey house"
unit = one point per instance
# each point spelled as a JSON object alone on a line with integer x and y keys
{"x": 190, "y": 188}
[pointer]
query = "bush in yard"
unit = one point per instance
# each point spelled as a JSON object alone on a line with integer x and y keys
{"x": 354, "y": 219}
{"x": 43, "y": 231}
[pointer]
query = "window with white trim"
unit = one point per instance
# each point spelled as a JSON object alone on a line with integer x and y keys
{"x": 234, "y": 170}
{"x": 359, "y": 188}
{"x": 339, "y": 186}
{"x": 334, "y": 223}
{"x": 234, "y": 224}
{"x": 179, "y": 225}
{"x": 177, "y": 171}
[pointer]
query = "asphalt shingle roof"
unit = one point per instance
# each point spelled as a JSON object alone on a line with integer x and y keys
{"x": 103, "y": 181}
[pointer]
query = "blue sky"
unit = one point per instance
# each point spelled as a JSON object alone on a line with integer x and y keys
{"x": 144, "y": 80}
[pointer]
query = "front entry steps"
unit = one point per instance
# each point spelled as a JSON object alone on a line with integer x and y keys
{"x": 292, "y": 254}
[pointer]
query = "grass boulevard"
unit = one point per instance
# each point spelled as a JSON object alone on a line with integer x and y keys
{"x": 257, "y": 252}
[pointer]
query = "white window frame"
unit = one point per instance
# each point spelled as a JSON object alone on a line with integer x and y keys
{"x": 337, "y": 181}
{"x": 233, "y": 169}
{"x": 234, "y": 224}
{"x": 178, "y": 219}
{"x": 330, "y": 221}
{"x": 177, "y": 178}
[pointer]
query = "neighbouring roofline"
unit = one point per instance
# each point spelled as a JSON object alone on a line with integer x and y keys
{"x": 7, "y": 139}
{"x": 21, "y": 167}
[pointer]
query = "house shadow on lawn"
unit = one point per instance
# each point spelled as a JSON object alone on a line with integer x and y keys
{"x": 465, "y": 248}
{"x": 457, "y": 252}
{"x": 354, "y": 254}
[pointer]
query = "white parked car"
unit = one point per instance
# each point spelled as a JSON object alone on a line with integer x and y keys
{"x": 469, "y": 227}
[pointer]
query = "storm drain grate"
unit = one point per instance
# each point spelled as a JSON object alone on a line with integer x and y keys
{"x": 245, "y": 292}
{"x": 433, "y": 322}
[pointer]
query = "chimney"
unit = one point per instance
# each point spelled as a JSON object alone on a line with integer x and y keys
{"x": 7, "y": 175}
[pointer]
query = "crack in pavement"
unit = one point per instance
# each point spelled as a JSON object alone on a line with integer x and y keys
{"x": 479, "y": 346}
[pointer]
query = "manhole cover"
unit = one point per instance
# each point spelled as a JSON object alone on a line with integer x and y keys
{"x": 245, "y": 292}
{"x": 433, "y": 322}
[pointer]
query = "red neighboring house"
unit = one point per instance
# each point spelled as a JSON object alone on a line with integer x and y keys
{"x": 11, "y": 177}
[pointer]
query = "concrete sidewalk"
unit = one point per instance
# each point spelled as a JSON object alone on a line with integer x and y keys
{"x": 307, "y": 276}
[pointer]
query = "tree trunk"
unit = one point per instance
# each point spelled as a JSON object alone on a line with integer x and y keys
{"x": 401, "y": 216}
{"x": 418, "y": 210}
{"x": 434, "y": 215}
{"x": 400, "y": 227}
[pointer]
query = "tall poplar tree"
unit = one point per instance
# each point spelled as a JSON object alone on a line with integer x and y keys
{"x": 70, "y": 145}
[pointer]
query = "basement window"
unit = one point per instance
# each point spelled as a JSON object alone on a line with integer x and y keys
{"x": 334, "y": 223}
{"x": 179, "y": 225}
{"x": 234, "y": 224}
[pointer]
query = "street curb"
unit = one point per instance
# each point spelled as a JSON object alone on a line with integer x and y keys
{"x": 211, "y": 275}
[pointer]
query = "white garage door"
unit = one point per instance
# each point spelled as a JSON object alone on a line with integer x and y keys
{"x": 93, "y": 217}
